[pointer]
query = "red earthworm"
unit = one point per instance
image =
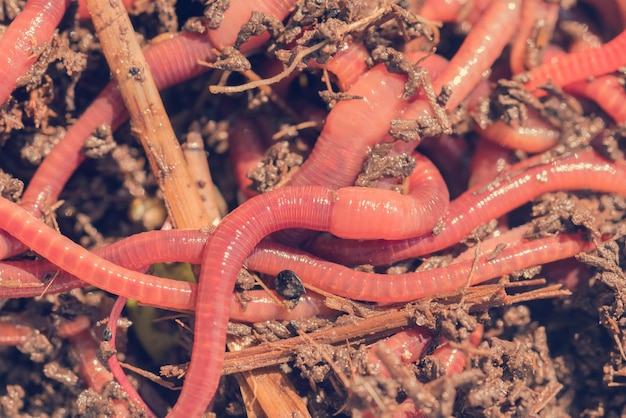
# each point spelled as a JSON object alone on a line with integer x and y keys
{"x": 336, "y": 163}
{"x": 348, "y": 65}
{"x": 534, "y": 137}
{"x": 271, "y": 258}
{"x": 580, "y": 65}
{"x": 81, "y": 263}
{"x": 85, "y": 350}
{"x": 449, "y": 10}
{"x": 498, "y": 239}
{"x": 408, "y": 345}
{"x": 246, "y": 152}
{"x": 537, "y": 16}
{"x": 114, "y": 364}
{"x": 397, "y": 288}
{"x": 33, "y": 27}
{"x": 14, "y": 334}
{"x": 607, "y": 91}
{"x": 489, "y": 161}
{"x": 482, "y": 46}
{"x": 453, "y": 358}
{"x": 584, "y": 170}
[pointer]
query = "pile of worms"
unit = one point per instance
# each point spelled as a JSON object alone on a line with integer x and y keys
{"x": 380, "y": 157}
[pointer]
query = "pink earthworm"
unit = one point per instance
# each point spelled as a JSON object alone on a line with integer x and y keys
{"x": 488, "y": 161}
{"x": 482, "y": 46}
{"x": 607, "y": 91}
{"x": 271, "y": 258}
{"x": 537, "y": 15}
{"x": 33, "y": 27}
{"x": 408, "y": 345}
{"x": 246, "y": 150}
{"x": 584, "y": 170}
{"x": 534, "y": 136}
{"x": 14, "y": 334}
{"x": 449, "y": 10}
{"x": 336, "y": 163}
{"x": 114, "y": 365}
{"x": 453, "y": 358}
{"x": 136, "y": 253}
{"x": 580, "y": 65}
{"x": 85, "y": 349}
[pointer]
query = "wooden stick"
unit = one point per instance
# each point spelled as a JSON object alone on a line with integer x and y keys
{"x": 149, "y": 120}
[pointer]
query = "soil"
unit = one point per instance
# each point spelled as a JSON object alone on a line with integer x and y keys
{"x": 547, "y": 351}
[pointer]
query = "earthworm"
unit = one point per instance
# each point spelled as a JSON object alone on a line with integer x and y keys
{"x": 584, "y": 170}
{"x": 449, "y": 10}
{"x": 488, "y": 161}
{"x": 408, "y": 345}
{"x": 246, "y": 152}
{"x": 453, "y": 358}
{"x": 14, "y": 334}
{"x": 336, "y": 163}
{"x": 482, "y": 46}
{"x": 607, "y": 91}
{"x": 580, "y": 65}
{"x": 33, "y": 27}
{"x": 271, "y": 258}
{"x": 85, "y": 350}
{"x": 113, "y": 362}
{"x": 537, "y": 16}
{"x": 535, "y": 136}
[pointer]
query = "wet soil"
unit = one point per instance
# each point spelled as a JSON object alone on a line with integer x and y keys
{"x": 545, "y": 352}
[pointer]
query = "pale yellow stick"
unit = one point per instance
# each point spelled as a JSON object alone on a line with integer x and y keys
{"x": 149, "y": 120}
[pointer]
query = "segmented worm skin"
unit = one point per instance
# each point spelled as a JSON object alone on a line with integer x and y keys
{"x": 449, "y": 10}
{"x": 534, "y": 137}
{"x": 408, "y": 345}
{"x": 81, "y": 263}
{"x": 140, "y": 250}
{"x": 33, "y": 27}
{"x": 473, "y": 208}
{"x": 581, "y": 65}
{"x": 607, "y": 91}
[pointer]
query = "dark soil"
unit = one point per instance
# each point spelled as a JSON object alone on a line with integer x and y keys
{"x": 545, "y": 352}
